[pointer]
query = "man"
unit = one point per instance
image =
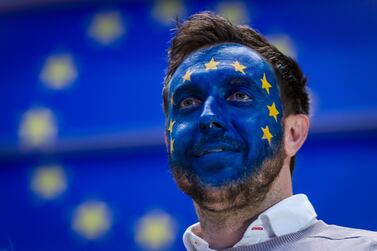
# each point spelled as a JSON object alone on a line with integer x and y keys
{"x": 237, "y": 113}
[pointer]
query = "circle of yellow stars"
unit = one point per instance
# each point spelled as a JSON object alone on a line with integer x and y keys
{"x": 238, "y": 67}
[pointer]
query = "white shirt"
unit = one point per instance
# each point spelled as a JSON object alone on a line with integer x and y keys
{"x": 290, "y": 215}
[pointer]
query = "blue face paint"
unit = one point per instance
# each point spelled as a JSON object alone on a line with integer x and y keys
{"x": 224, "y": 116}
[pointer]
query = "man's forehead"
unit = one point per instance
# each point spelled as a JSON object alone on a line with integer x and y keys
{"x": 224, "y": 55}
{"x": 224, "y": 52}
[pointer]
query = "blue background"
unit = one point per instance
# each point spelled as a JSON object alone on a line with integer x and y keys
{"x": 110, "y": 120}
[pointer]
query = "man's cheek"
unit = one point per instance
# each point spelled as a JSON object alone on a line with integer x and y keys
{"x": 258, "y": 147}
{"x": 180, "y": 142}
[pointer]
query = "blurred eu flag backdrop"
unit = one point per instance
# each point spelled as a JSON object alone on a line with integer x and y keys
{"x": 83, "y": 164}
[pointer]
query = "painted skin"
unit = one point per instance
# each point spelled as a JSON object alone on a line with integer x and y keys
{"x": 224, "y": 116}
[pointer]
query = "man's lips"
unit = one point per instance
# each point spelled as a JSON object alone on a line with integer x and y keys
{"x": 214, "y": 148}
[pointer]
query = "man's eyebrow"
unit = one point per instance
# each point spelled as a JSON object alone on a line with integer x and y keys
{"x": 186, "y": 87}
{"x": 241, "y": 80}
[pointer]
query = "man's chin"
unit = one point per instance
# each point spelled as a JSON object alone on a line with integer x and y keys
{"x": 211, "y": 198}
{"x": 229, "y": 197}
{"x": 234, "y": 195}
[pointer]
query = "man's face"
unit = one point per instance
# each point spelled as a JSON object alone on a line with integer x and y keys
{"x": 224, "y": 116}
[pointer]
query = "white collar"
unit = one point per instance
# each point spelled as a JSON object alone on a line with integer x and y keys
{"x": 290, "y": 215}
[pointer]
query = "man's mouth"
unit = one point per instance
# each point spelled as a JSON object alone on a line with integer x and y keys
{"x": 204, "y": 150}
{"x": 216, "y": 150}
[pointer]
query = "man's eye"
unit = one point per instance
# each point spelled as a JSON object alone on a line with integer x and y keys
{"x": 189, "y": 102}
{"x": 239, "y": 96}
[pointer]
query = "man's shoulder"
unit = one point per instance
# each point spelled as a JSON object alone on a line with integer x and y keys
{"x": 341, "y": 232}
{"x": 319, "y": 236}
{"x": 322, "y": 236}
{"x": 333, "y": 237}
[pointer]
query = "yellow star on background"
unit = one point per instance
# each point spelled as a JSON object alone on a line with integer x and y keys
{"x": 165, "y": 11}
{"x": 38, "y": 127}
{"x": 239, "y": 67}
{"x": 265, "y": 84}
{"x": 156, "y": 231}
{"x": 211, "y": 65}
{"x": 92, "y": 219}
{"x": 284, "y": 44}
{"x": 267, "y": 134}
{"x": 235, "y": 11}
{"x": 187, "y": 76}
{"x": 171, "y": 124}
{"x": 107, "y": 27}
{"x": 171, "y": 145}
{"x": 59, "y": 71}
{"x": 273, "y": 112}
{"x": 48, "y": 181}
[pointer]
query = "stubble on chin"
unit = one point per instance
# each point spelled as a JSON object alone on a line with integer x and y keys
{"x": 238, "y": 195}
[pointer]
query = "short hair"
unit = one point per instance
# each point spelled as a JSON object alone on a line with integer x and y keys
{"x": 205, "y": 29}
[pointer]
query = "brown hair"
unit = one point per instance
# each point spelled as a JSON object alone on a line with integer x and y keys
{"x": 205, "y": 29}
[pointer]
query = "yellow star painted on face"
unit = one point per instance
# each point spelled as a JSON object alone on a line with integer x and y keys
{"x": 172, "y": 146}
{"x": 267, "y": 134}
{"x": 187, "y": 76}
{"x": 273, "y": 112}
{"x": 239, "y": 67}
{"x": 265, "y": 84}
{"x": 211, "y": 65}
{"x": 171, "y": 124}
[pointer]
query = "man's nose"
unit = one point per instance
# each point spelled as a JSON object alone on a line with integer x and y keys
{"x": 211, "y": 120}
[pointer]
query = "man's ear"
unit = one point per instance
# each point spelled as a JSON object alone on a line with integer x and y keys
{"x": 296, "y": 129}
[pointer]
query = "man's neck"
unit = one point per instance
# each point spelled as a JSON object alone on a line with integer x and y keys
{"x": 224, "y": 229}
